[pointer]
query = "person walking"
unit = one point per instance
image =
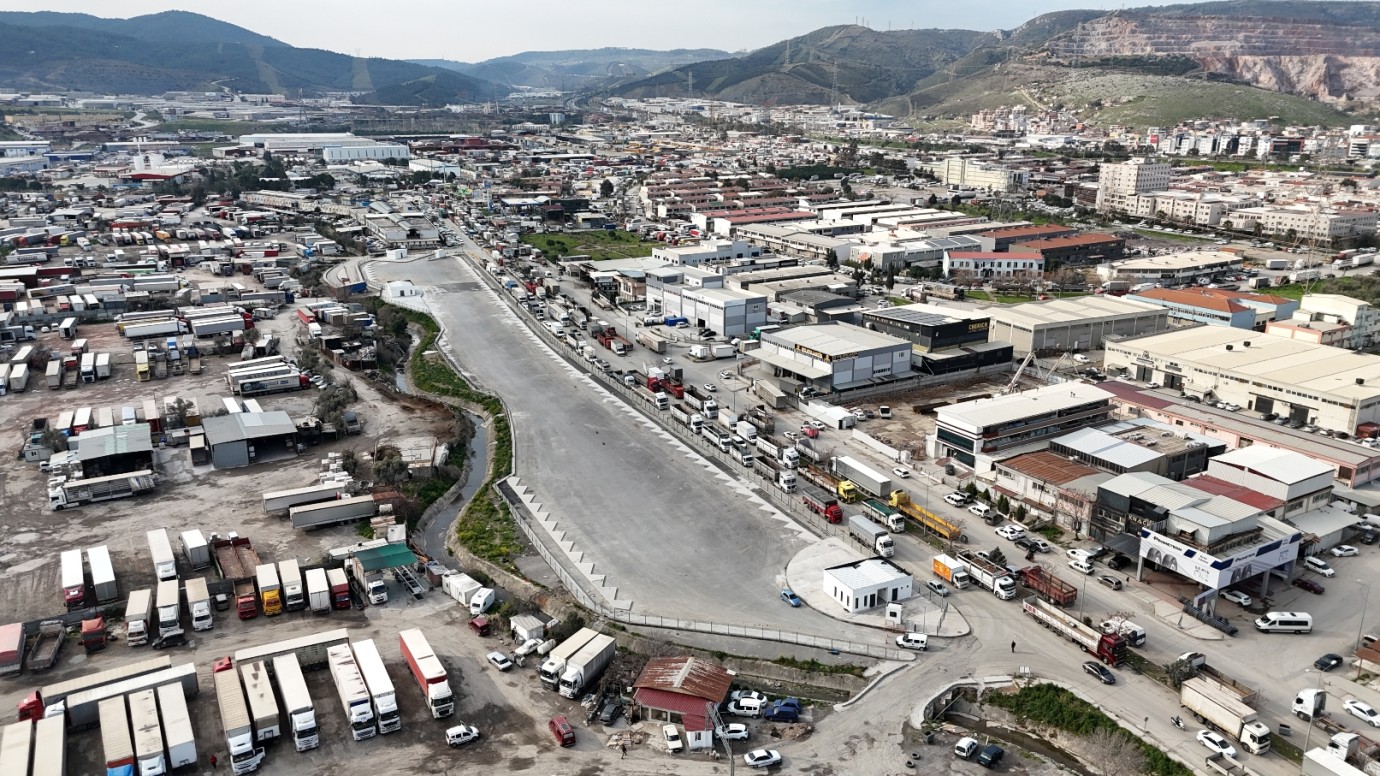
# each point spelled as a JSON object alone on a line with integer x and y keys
{"x": 1013, "y": 647}
{"x": 623, "y": 751}
{"x": 214, "y": 762}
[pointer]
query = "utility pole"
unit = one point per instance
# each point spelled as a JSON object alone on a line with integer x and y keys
{"x": 711, "y": 715}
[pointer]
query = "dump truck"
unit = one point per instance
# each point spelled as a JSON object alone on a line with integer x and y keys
{"x": 989, "y": 575}
{"x": 872, "y": 536}
{"x": 381, "y": 690}
{"x": 301, "y": 715}
{"x": 428, "y": 672}
{"x": 1222, "y": 708}
{"x": 863, "y": 478}
{"x": 951, "y": 570}
{"x": 234, "y": 719}
{"x": 50, "y": 699}
{"x": 1110, "y": 648}
{"x": 263, "y": 706}
{"x": 46, "y": 645}
{"x": 824, "y": 506}
{"x": 65, "y": 493}
{"x": 353, "y": 693}
{"x": 328, "y": 513}
{"x": 237, "y": 560}
{"x": 555, "y": 664}
{"x": 586, "y": 666}
{"x": 1048, "y": 586}
{"x": 928, "y": 520}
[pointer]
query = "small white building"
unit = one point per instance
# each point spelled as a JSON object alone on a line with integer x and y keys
{"x": 867, "y": 584}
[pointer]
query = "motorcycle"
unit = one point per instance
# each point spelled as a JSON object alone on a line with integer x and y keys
{"x": 1178, "y": 722}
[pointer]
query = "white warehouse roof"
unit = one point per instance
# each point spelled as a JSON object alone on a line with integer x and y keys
{"x": 983, "y": 413}
{"x": 835, "y": 339}
{"x": 1283, "y": 466}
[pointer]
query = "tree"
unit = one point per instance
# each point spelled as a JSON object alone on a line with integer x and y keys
{"x": 391, "y": 470}
{"x": 997, "y": 556}
{"x": 1021, "y": 513}
{"x": 606, "y": 189}
{"x": 1112, "y": 752}
{"x": 1003, "y": 504}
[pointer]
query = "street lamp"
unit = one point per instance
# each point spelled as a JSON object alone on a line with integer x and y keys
{"x": 1361, "y": 626}
{"x": 1309, "y": 733}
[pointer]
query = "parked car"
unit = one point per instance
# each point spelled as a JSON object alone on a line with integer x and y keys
{"x": 1100, "y": 671}
{"x": 1362, "y": 711}
{"x": 1237, "y": 597}
{"x": 1343, "y": 551}
{"x": 1216, "y": 743}
{"x": 762, "y": 758}
{"x": 1011, "y": 532}
{"x": 1109, "y": 581}
{"x": 499, "y": 660}
{"x": 1077, "y": 554}
{"x": 1304, "y": 583}
{"x": 612, "y": 711}
{"x": 1319, "y": 566}
{"x": 712, "y": 388}
{"x": 790, "y": 597}
{"x": 461, "y": 735}
{"x": 1328, "y": 662}
{"x": 562, "y": 730}
{"x": 674, "y": 744}
{"x": 937, "y": 587}
{"x": 912, "y": 641}
{"x": 958, "y": 499}
{"x": 739, "y": 695}
{"x": 733, "y": 731}
{"x": 902, "y": 473}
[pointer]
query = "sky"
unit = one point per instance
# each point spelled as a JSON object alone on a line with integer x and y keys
{"x": 470, "y": 31}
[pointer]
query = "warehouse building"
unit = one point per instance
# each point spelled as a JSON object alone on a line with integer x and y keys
{"x": 114, "y": 449}
{"x": 980, "y": 432}
{"x": 249, "y": 437}
{"x": 1171, "y": 269}
{"x": 1305, "y": 383}
{"x": 699, "y": 296}
{"x": 944, "y": 340}
{"x": 1075, "y": 248}
{"x": 867, "y": 584}
{"x": 1077, "y": 323}
{"x": 1218, "y": 306}
{"x": 834, "y": 356}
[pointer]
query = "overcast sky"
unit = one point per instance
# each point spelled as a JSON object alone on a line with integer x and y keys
{"x": 473, "y": 30}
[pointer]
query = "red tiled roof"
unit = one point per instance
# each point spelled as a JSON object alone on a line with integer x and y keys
{"x": 1092, "y": 238}
{"x": 1049, "y": 467}
{"x": 691, "y": 709}
{"x": 1191, "y": 299}
{"x": 1233, "y": 491}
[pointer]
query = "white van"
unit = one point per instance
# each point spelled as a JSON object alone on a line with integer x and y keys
{"x": 966, "y": 748}
{"x": 1082, "y": 359}
{"x": 981, "y": 510}
{"x": 1081, "y": 566}
{"x": 1285, "y": 622}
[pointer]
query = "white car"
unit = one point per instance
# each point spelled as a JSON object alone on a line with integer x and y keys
{"x": 712, "y": 388}
{"x": 725, "y": 375}
{"x": 1362, "y": 710}
{"x": 1343, "y": 551}
{"x": 499, "y": 661}
{"x": 1216, "y": 743}
{"x": 461, "y": 735}
{"x": 666, "y": 360}
{"x": 902, "y": 473}
{"x": 816, "y": 425}
{"x": 913, "y": 641}
{"x": 673, "y": 743}
{"x": 1011, "y": 532}
{"x": 733, "y": 731}
{"x": 742, "y": 695}
{"x": 957, "y": 499}
{"x": 938, "y": 588}
{"x": 1077, "y": 554}
{"x": 1237, "y": 597}
{"x": 791, "y": 435}
{"x": 762, "y": 758}
{"x": 1318, "y": 565}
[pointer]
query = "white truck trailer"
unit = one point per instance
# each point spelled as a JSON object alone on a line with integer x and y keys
{"x": 354, "y": 694}
{"x": 234, "y": 718}
{"x": 177, "y": 726}
{"x": 381, "y": 689}
{"x": 148, "y": 734}
{"x": 301, "y": 716}
{"x": 263, "y": 707}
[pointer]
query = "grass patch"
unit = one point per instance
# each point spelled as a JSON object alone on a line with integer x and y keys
{"x": 981, "y": 296}
{"x": 1051, "y": 532}
{"x": 1022, "y": 298}
{"x": 599, "y": 244}
{"x": 814, "y": 666}
{"x": 1291, "y": 291}
{"x": 1050, "y": 704}
{"x": 899, "y": 300}
{"x": 486, "y": 527}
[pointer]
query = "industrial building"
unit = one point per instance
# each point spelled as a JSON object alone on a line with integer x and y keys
{"x": 707, "y": 252}
{"x": 1002, "y": 239}
{"x": 243, "y": 438}
{"x": 1076, "y": 323}
{"x": 944, "y": 340}
{"x": 1218, "y": 306}
{"x": 893, "y": 254}
{"x": 834, "y": 356}
{"x": 1075, "y": 248}
{"x": 702, "y": 297}
{"x": 1171, "y": 268}
{"x": 333, "y": 154}
{"x": 114, "y": 449}
{"x": 800, "y": 241}
{"x": 1356, "y": 323}
{"x": 979, "y": 432}
{"x": 1323, "y": 386}
{"x": 867, "y": 584}
{"x": 1050, "y": 485}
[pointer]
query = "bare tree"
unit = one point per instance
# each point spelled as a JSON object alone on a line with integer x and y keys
{"x": 1113, "y": 752}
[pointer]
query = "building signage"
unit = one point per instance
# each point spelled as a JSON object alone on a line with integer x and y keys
{"x": 1216, "y": 573}
{"x": 822, "y": 356}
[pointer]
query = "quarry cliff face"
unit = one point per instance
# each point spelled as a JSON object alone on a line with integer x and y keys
{"x": 1327, "y": 62}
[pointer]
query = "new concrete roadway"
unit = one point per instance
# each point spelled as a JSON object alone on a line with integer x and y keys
{"x": 671, "y": 533}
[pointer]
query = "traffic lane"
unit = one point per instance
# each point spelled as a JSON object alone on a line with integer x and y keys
{"x": 672, "y": 536}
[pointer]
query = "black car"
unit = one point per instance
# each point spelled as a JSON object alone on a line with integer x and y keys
{"x": 1098, "y": 553}
{"x": 1100, "y": 671}
{"x": 612, "y": 711}
{"x": 1369, "y": 537}
{"x": 1118, "y": 562}
{"x": 1328, "y": 662}
{"x": 178, "y": 639}
{"x": 1027, "y": 543}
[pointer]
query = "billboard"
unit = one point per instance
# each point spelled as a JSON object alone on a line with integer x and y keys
{"x": 1213, "y": 572}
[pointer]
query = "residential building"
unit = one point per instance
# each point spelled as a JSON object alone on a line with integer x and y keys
{"x": 1010, "y": 265}
{"x": 1118, "y": 183}
{"x": 1051, "y": 486}
{"x": 1304, "y": 222}
{"x": 1361, "y": 319}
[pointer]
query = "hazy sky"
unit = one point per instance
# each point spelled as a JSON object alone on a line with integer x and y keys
{"x": 469, "y": 30}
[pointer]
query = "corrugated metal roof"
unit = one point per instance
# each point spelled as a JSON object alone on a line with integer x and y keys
{"x": 1106, "y": 447}
{"x": 1280, "y": 465}
{"x": 115, "y": 440}
{"x": 389, "y": 556}
{"x": 247, "y": 425}
{"x": 691, "y": 709}
{"x": 866, "y": 573}
{"x": 688, "y": 677}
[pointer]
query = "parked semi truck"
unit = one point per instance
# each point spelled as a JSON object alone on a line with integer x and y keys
{"x": 102, "y": 574}
{"x": 428, "y": 672}
{"x": 951, "y": 570}
{"x": 586, "y": 666}
{"x": 283, "y": 500}
{"x": 263, "y": 706}
{"x": 290, "y": 575}
{"x": 888, "y": 516}
{"x": 328, "y": 513}
{"x": 73, "y": 577}
{"x": 989, "y": 575}
{"x": 199, "y": 604}
{"x": 872, "y": 536}
{"x": 168, "y": 603}
{"x": 117, "y": 745}
{"x": 824, "y": 506}
{"x": 944, "y": 529}
{"x": 318, "y": 591}
{"x": 51, "y": 699}
{"x": 65, "y": 493}
{"x": 137, "y": 610}
{"x": 354, "y": 694}
{"x": 81, "y": 709}
{"x": 1110, "y": 648}
{"x": 1048, "y": 586}
{"x": 236, "y": 559}
{"x": 554, "y": 666}
{"x": 375, "y": 673}
{"x": 148, "y": 733}
{"x": 16, "y": 741}
{"x": 301, "y": 715}
{"x": 234, "y": 718}
{"x": 863, "y": 479}
{"x": 312, "y": 651}
{"x": 177, "y": 726}
{"x": 1222, "y": 708}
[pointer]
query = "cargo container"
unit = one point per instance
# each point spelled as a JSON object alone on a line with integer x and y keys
{"x": 50, "y": 748}
{"x": 199, "y": 604}
{"x": 102, "y": 574}
{"x": 318, "y": 591}
{"x": 16, "y": 743}
{"x": 301, "y": 715}
{"x": 117, "y": 745}
{"x": 81, "y": 708}
{"x": 428, "y": 672}
{"x": 311, "y": 651}
{"x": 177, "y": 726}
{"x": 148, "y": 733}
{"x": 294, "y": 596}
{"x": 195, "y": 549}
{"x": 263, "y": 706}
{"x": 50, "y": 698}
{"x": 385, "y": 698}
{"x": 73, "y": 580}
{"x": 340, "y": 588}
{"x": 160, "y": 549}
{"x": 138, "y": 609}
{"x": 234, "y": 718}
{"x": 353, "y": 693}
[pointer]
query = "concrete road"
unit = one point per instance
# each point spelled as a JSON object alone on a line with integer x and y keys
{"x": 673, "y": 534}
